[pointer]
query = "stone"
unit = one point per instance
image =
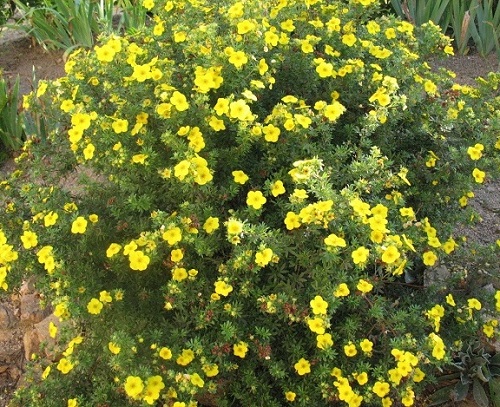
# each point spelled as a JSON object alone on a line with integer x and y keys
{"x": 37, "y": 339}
{"x": 31, "y": 311}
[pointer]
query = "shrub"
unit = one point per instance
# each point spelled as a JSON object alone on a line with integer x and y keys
{"x": 259, "y": 199}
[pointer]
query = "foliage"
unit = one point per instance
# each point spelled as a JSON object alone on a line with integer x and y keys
{"x": 486, "y": 30}
{"x": 11, "y": 130}
{"x": 60, "y": 23}
{"x": 467, "y": 19}
{"x": 472, "y": 367}
{"x": 70, "y": 24}
{"x": 423, "y": 11}
{"x": 5, "y": 11}
{"x": 264, "y": 186}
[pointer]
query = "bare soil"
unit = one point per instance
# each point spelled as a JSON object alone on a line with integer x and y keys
{"x": 20, "y": 56}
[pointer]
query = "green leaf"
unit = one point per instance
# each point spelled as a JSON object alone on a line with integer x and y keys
{"x": 495, "y": 391}
{"x": 460, "y": 391}
{"x": 480, "y": 396}
{"x": 495, "y": 359}
{"x": 441, "y": 396}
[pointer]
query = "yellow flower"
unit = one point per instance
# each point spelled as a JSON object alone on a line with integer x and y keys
{"x": 430, "y": 87}
{"x": 302, "y": 367}
{"x": 172, "y": 235}
{"x": 52, "y": 330}
{"x": 366, "y": 345}
{"x": 165, "y": 353}
{"x": 473, "y": 303}
{"x": 264, "y": 257}
{"x": 429, "y": 258}
{"x": 29, "y": 239}
{"x": 180, "y": 36}
{"x": 133, "y": 386}
{"x": 342, "y": 290}
{"x": 222, "y": 106}
{"x": 113, "y": 249}
{"x": 240, "y": 110}
{"x": 245, "y": 26}
{"x": 240, "y": 349}
{"x": 475, "y": 152}
{"x": 79, "y": 225}
{"x": 324, "y": 341}
{"x": 50, "y": 219}
{"x": 335, "y": 241}
{"x": 360, "y": 255}
{"x": 120, "y": 126}
{"x": 114, "y": 348}
{"x": 185, "y": 358}
{"x": 362, "y": 378}
{"x": 216, "y": 124}
{"x": 364, "y": 286}
{"x": 238, "y": 59}
{"x": 210, "y": 370}
{"x": 316, "y": 325}
{"x": 179, "y": 101}
{"x": 179, "y": 273}
{"x": 277, "y": 188}
{"x": 65, "y": 366}
{"x": 478, "y": 175}
{"x": 176, "y": 255}
{"x": 390, "y": 255}
{"x": 349, "y": 39}
{"x": 240, "y": 177}
{"x": 94, "y": 306}
{"x": 234, "y": 227}
{"x": 350, "y": 350}
{"x": 139, "y": 158}
{"x": 333, "y": 111}
{"x": 290, "y": 396}
{"x": 271, "y": 133}
{"x": 318, "y": 305}
{"x": 256, "y": 199}
{"x": 381, "y": 389}
{"x": 138, "y": 260}
{"x": 324, "y": 69}
{"x": 211, "y": 225}
{"x": 223, "y": 288}
{"x": 72, "y": 402}
{"x": 81, "y": 120}
{"x": 292, "y": 221}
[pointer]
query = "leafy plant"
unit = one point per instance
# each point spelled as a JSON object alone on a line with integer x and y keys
{"x": 474, "y": 369}
{"x": 64, "y": 24}
{"x": 11, "y": 129}
{"x": 422, "y": 11}
{"x": 460, "y": 22}
{"x": 486, "y": 30}
{"x": 264, "y": 186}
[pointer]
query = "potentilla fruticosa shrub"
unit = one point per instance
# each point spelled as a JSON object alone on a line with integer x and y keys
{"x": 263, "y": 186}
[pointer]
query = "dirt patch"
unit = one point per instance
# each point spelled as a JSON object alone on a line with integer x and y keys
{"x": 20, "y": 56}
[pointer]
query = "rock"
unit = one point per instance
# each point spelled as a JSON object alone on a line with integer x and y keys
{"x": 436, "y": 276}
{"x": 31, "y": 311}
{"x": 37, "y": 339}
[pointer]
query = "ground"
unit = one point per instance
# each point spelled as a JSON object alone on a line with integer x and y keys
{"x": 19, "y": 56}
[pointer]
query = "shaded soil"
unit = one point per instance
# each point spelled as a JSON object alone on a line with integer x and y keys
{"x": 19, "y": 56}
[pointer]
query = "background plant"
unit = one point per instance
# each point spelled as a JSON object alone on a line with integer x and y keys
{"x": 71, "y": 24}
{"x": 11, "y": 130}
{"x": 262, "y": 197}
{"x": 467, "y": 22}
